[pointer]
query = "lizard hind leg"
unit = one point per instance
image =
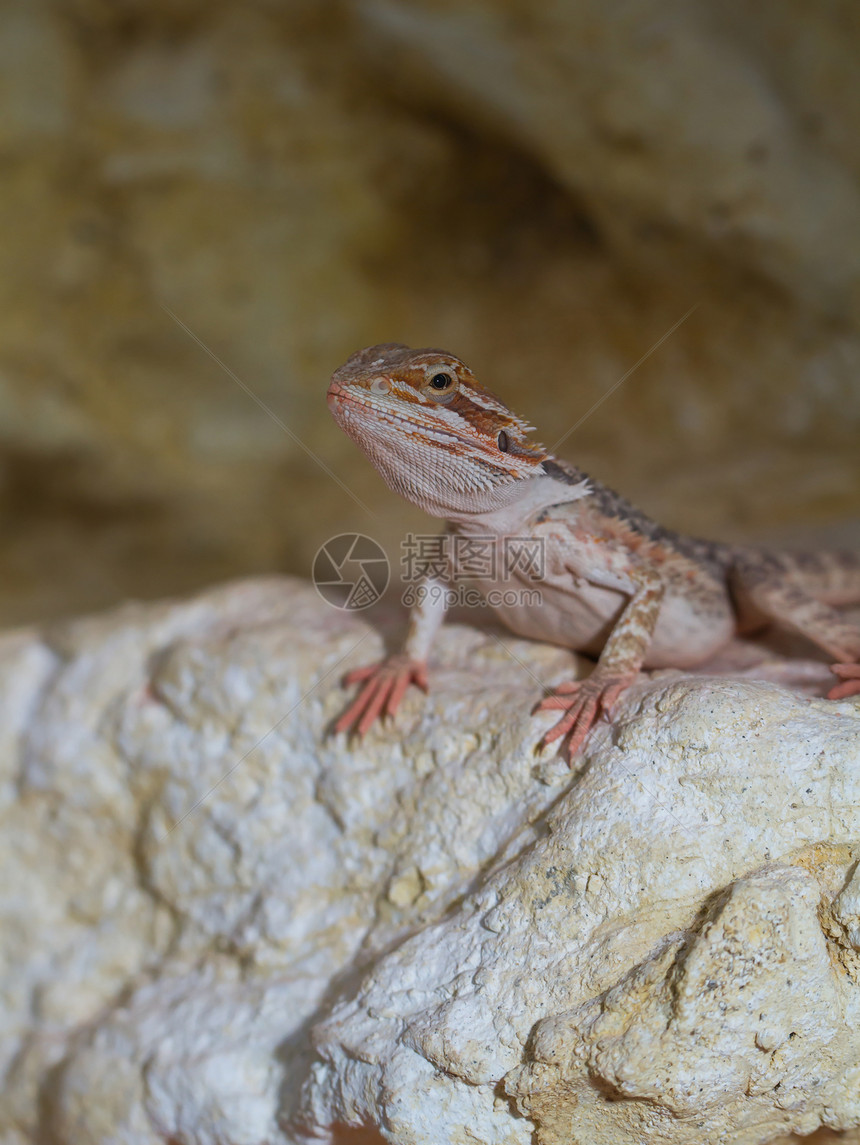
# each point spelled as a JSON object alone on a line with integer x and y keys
{"x": 771, "y": 588}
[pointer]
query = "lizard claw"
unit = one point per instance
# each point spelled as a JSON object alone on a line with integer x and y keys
{"x": 384, "y": 686}
{"x": 849, "y": 674}
{"x": 583, "y": 702}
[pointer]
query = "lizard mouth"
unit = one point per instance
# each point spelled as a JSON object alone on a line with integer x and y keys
{"x": 352, "y": 405}
{"x": 340, "y": 399}
{"x": 338, "y": 396}
{"x": 344, "y": 400}
{"x": 334, "y": 395}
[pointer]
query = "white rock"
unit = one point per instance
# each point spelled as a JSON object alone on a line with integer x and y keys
{"x": 221, "y": 925}
{"x": 846, "y": 908}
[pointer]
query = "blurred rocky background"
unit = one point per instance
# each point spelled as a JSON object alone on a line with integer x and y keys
{"x": 544, "y": 188}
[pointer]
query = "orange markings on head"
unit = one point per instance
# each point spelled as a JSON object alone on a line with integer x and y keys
{"x": 434, "y": 433}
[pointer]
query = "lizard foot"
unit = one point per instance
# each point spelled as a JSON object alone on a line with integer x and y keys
{"x": 582, "y": 701}
{"x": 849, "y": 674}
{"x": 384, "y": 687}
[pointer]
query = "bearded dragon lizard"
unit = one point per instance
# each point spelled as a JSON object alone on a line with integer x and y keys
{"x": 616, "y": 585}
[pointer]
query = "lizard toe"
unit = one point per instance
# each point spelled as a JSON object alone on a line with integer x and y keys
{"x": 849, "y": 675}
{"x": 383, "y": 688}
{"x": 582, "y": 703}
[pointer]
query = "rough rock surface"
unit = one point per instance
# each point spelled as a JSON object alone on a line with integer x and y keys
{"x": 220, "y": 926}
{"x": 546, "y": 188}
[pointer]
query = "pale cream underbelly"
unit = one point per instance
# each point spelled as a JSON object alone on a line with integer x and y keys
{"x": 581, "y": 616}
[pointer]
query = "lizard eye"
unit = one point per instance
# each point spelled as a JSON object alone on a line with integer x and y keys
{"x": 503, "y": 442}
{"x": 442, "y": 387}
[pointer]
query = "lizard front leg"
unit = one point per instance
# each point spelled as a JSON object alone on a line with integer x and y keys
{"x": 769, "y": 587}
{"x": 384, "y": 684}
{"x": 582, "y": 701}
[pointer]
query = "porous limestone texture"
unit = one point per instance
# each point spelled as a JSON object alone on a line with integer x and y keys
{"x": 545, "y": 188}
{"x": 222, "y": 926}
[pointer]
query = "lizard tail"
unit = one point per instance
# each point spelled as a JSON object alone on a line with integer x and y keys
{"x": 833, "y": 577}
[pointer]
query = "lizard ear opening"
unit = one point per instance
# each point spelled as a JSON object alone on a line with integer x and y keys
{"x": 503, "y": 442}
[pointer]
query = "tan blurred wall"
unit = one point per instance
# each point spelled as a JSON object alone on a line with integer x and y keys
{"x": 544, "y": 188}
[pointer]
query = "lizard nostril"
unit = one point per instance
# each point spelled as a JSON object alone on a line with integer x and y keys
{"x": 380, "y": 386}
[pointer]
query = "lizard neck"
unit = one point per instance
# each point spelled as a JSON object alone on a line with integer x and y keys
{"x": 521, "y": 501}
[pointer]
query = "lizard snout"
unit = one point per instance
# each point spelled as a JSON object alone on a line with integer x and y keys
{"x": 334, "y": 394}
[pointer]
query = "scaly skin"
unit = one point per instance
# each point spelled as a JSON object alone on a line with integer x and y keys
{"x": 616, "y": 585}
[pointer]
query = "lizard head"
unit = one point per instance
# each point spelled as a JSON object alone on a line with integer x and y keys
{"x": 434, "y": 433}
